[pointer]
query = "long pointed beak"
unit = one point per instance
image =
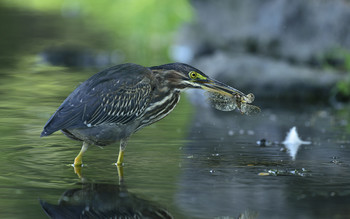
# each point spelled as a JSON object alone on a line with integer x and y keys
{"x": 218, "y": 87}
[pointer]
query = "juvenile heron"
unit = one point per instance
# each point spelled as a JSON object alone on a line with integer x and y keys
{"x": 118, "y": 101}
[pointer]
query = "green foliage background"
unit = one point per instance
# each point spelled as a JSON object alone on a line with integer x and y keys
{"x": 142, "y": 29}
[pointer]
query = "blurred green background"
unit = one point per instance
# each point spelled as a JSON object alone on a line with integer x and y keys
{"x": 138, "y": 30}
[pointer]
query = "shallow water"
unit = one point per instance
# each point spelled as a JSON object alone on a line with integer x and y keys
{"x": 225, "y": 170}
{"x": 196, "y": 163}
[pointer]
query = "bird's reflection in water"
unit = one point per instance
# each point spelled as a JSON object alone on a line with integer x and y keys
{"x": 95, "y": 200}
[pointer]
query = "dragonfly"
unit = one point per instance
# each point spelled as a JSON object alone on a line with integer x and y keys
{"x": 236, "y": 99}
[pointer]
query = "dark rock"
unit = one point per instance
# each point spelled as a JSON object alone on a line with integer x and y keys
{"x": 80, "y": 56}
{"x": 298, "y": 28}
{"x": 273, "y": 48}
{"x": 269, "y": 78}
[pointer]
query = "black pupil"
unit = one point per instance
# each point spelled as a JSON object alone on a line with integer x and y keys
{"x": 193, "y": 75}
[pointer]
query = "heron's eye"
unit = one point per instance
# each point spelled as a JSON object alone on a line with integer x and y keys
{"x": 193, "y": 74}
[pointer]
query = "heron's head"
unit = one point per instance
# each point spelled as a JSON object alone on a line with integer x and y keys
{"x": 181, "y": 76}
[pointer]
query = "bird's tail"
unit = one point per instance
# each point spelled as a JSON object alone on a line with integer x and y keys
{"x": 48, "y": 128}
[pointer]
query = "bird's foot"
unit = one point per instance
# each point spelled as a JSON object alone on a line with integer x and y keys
{"x": 78, "y": 161}
{"x": 78, "y": 164}
{"x": 120, "y": 158}
{"x": 77, "y": 170}
{"x": 119, "y": 164}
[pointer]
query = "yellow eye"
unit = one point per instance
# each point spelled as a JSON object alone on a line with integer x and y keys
{"x": 193, "y": 75}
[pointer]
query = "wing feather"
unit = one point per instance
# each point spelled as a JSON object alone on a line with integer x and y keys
{"x": 106, "y": 100}
{"x": 123, "y": 109}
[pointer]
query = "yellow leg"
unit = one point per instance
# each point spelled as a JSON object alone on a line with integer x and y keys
{"x": 78, "y": 161}
{"x": 123, "y": 143}
{"x": 120, "y": 158}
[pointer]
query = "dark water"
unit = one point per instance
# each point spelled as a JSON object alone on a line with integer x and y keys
{"x": 195, "y": 163}
{"x": 222, "y": 175}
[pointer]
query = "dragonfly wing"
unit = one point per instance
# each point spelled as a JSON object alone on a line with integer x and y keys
{"x": 221, "y": 102}
{"x": 250, "y": 109}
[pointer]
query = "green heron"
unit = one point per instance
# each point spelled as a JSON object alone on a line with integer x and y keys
{"x": 118, "y": 101}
